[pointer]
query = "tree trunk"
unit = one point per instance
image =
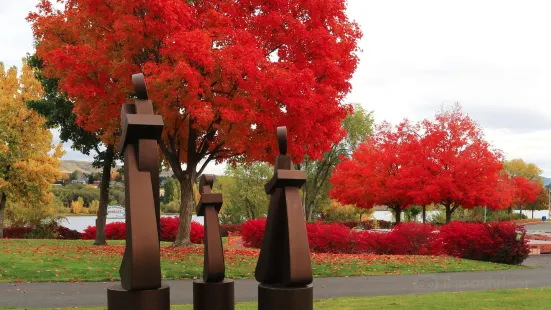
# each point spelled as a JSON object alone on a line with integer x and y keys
{"x": 398, "y": 214}
{"x": 532, "y": 212}
{"x": 424, "y": 214}
{"x": 310, "y": 211}
{"x": 449, "y": 212}
{"x": 187, "y": 204}
{"x": 2, "y": 210}
{"x": 104, "y": 197}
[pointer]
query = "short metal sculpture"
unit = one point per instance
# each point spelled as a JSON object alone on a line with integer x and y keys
{"x": 140, "y": 271}
{"x": 213, "y": 292}
{"x": 284, "y": 269}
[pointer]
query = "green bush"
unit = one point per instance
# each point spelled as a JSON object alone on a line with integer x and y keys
{"x": 171, "y": 207}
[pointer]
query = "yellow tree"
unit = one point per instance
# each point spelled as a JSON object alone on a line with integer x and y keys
{"x": 27, "y": 164}
{"x": 519, "y": 168}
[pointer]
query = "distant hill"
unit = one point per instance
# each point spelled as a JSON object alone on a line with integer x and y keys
{"x": 68, "y": 166}
{"x": 546, "y": 181}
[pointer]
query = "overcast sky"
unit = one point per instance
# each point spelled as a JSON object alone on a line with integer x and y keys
{"x": 494, "y": 57}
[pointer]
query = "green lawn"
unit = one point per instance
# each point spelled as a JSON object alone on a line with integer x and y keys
{"x": 537, "y": 298}
{"x": 64, "y": 261}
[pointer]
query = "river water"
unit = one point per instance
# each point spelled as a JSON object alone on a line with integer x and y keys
{"x": 80, "y": 223}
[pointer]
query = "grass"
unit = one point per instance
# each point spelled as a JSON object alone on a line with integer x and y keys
{"x": 536, "y": 298}
{"x": 75, "y": 261}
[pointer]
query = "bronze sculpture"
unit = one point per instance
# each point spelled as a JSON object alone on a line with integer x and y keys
{"x": 213, "y": 292}
{"x": 284, "y": 269}
{"x": 140, "y": 270}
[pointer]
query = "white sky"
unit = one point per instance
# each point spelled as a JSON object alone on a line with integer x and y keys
{"x": 494, "y": 57}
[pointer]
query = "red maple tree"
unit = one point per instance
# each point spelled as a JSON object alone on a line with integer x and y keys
{"x": 223, "y": 74}
{"x": 381, "y": 172}
{"x": 464, "y": 169}
{"x": 525, "y": 191}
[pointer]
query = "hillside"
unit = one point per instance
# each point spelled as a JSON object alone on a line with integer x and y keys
{"x": 68, "y": 166}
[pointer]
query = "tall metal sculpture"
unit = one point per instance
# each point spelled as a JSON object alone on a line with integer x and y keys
{"x": 213, "y": 292}
{"x": 140, "y": 271}
{"x": 284, "y": 269}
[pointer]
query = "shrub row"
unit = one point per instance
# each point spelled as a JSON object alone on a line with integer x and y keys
{"x": 50, "y": 231}
{"x": 168, "y": 231}
{"x": 365, "y": 224}
{"x": 495, "y": 242}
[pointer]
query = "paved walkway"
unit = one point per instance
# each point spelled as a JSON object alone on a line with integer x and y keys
{"x": 94, "y": 294}
{"x": 539, "y": 227}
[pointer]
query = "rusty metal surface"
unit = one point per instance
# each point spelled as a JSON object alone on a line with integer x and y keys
{"x": 285, "y": 255}
{"x": 288, "y": 298}
{"x": 121, "y": 299}
{"x": 213, "y": 295}
{"x": 213, "y": 292}
{"x": 140, "y": 269}
{"x": 209, "y": 204}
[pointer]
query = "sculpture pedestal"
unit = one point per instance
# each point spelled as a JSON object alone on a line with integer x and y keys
{"x": 121, "y": 299}
{"x": 273, "y": 297}
{"x": 213, "y": 296}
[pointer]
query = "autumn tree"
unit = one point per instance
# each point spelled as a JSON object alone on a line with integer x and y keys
{"x": 463, "y": 168}
{"x": 542, "y": 202}
{"x": 519, "y": 168}
{"x": 381, "y": 172}
{"x": 56, "y": 107}
{"x": 26, "y": 167}
{"x": 223, "y": 74}
{"x": 358, "y": 126}
{"x": 525, "y": 191}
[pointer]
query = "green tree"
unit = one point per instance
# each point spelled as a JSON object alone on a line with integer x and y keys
{"x": 58, "y": 110}
{"x": 172, "y": 190}
{"x": 358, "y": 126}
{"x": 73, "y": 176}
{"x": 243, "y": 190}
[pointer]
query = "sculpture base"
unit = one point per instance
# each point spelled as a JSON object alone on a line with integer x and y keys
{"x": 271, "y": 297}
{"x": 121, "y": 299}
{"x": 213, "y": 296}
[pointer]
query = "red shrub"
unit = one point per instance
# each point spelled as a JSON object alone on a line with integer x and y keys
{"x": 330, "y": 238}
{"x": 197, "y": 233}
{"x": 168, "y": 231}
{"x": 16, "y": 232}
{"x": 408, "y": 238}
{"x": 369, "y": 242}
{"x": 507, "y": 249}
{"x": 89, "y": 233}
{"x": 67, "y": 234}
{"x": 169, "y": 228}
{"x": 115, "y": 231}
{"x": 494, "y": 242}
{"x": 252, "y": 233}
